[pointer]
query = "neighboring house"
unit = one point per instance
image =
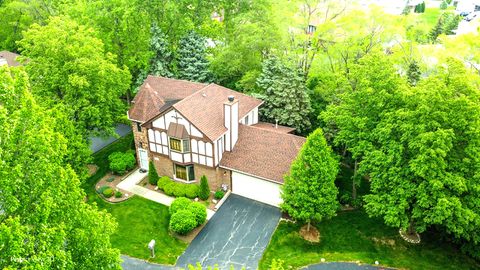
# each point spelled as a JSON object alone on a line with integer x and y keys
{"x": 467, "y": 6}
{"x": 192, "y": 129}
{"x": 9, "y": 58}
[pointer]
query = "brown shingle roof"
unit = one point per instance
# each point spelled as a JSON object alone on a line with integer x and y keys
{"x": 272, "y": 127}
{"x": 158, "y": 94}
{"x": 204, "y": 108}
{"x": 10, "y": 57}
{"x": 263, "y": 153}
{"x": 177, "y": 131}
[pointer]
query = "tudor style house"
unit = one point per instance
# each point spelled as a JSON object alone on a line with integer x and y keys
{"x": 192, "y": 129}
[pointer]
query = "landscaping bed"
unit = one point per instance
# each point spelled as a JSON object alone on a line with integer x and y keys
{"x": 352, "y": 236}
{"x": 111, "y": 181}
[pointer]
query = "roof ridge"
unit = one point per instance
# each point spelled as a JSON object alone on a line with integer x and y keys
{"x": 275, "y": 132}
{"x": 173, "y": 79}
{"x": 194, "y": 93}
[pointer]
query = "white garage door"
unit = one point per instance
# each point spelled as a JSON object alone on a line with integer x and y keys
{"x": 257, "y": 189}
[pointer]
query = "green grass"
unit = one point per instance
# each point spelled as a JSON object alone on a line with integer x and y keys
{"x": 431, "y": 15}
{"x": 353, "y": 236}
{"x": 139, "y": 220}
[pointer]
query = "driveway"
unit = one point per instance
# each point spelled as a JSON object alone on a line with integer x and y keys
{"x": 236, "y": 235}
{"x": 97, "y": 143}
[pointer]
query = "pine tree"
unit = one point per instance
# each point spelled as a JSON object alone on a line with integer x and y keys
{"x": 192, "y": 63}
{"x": 286, "y": 97}
{"x": 443, "y": 5}
{"x": 204, "y": 191}
{"x": 437, "y": 29}
{"x": 162, "y": 59}
{"x": 413, "y": 73}
{"x": 309, "y": 193}
{"x": 152, "y": 174}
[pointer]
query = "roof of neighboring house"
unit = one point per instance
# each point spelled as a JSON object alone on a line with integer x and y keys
{"x": 157, "y": 94}
{"x": 10, "y": 57}
{"x": 204, "y": 108}
{"x": 263, "y": 153}
{"x": 273, "y": 127}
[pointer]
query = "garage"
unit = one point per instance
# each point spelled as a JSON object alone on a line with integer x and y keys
{"x": 256, "y": 188}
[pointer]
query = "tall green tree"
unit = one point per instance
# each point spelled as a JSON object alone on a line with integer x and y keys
{"x": 68, "y": 66}
{"x": 309, "y": 193}
{"x": 192, "y": 63}
{"x": 286, "y": 98}
{"x": 45, "y": 222}
{"x": 161, "y": 62}
{"x": 413, "y": 73}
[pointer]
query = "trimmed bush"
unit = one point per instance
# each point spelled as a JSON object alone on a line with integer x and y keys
{"x": 182, "y": 222}
{"x": 152, "y": 174}
{"x": 179, "y": 204}
{"x": 163, "y": 181}
{"x": 108, "y": 192}
{"x": 191, "y": 191}
{"x": 179, "y": 190}
{"x": 101, "y": 189}
{"x": 120, "y": 162}
{"x": 118, "y": 194}
{"x": 204, "y": 191}
{"x": 168, "y": 188}
{"x": 111, "y": 179}
{"x": 219, "y": 194}
{"x": 200, "y": 212}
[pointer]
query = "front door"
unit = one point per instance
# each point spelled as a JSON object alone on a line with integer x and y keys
{"x": 143, "y": 157}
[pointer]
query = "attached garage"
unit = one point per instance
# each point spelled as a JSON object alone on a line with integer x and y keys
{"x": 256, "y": 188}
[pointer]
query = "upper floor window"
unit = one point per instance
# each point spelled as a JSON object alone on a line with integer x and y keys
{"x": 180, "y": 145}
{"x": 246, "y": 120}
{"x": 311, "y": 28}
{"x": 139, "y": 127}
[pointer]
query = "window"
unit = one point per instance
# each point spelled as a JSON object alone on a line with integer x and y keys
{"x": 186, "y": 173}
{"x": 311, "y": 29}
{"x": 246, "y": 120}
{"x": 139, "y": 127}
{"x": 186, "y": 146}
{"x": 176, "y": 144}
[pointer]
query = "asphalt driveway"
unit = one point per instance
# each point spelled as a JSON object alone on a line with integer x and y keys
{"x": 236, "y": 235}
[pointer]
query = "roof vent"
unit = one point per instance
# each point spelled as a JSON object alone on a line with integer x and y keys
{"x": 204, "y": 95}
{"x": 231, "y": 98}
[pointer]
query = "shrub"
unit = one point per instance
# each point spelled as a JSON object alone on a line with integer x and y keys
{"x": 200, "y": 212}
{"x": 179, "y": 190}
{"x": 152, "y": 174}
{"x": 101, "y": 189}
{"x": 168, "y": 188}
{"x": 121, "y": 162}
{"x": 111, "y": 179}
{"x": 118, "y": 194}
{"x": 179, "y": 204}
{"x": 204, "y": 191}
{"x": 191, "y": 191}
{"x": 108, "y": 192}
{"x": 182, "y": 222}
{"x": 163, "y": 181}
{"x": 219, "y": 194}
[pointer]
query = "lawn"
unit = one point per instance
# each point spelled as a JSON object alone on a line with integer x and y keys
{"x": 353, "y": 236}
{"x": 139, "y": 220}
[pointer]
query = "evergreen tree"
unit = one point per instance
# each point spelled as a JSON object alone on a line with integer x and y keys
{"x": 451, "y": 23}
{"x": 309, "y": 193}
{"x": 286, "y": 97}
{"x": 162, "y": 58}
{"x": 204, "y": 191}
{"x": 437, "y": 30}
{"x": 152, "y": 174}
{"x": 192, "y": 60}
{"x": 413, "y": 73}
{"x": 443, "y": 5}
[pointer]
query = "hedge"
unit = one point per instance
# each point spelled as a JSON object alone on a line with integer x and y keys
{"x": 120, "y": 162}
{"x": 179, "y": 204}
{"x": 200, "y": 212}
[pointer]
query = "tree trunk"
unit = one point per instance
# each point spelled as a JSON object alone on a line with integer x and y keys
{"x": 411, "y": 228}
{"x": 308, "y": 226}
{"x": 354, "y": 184}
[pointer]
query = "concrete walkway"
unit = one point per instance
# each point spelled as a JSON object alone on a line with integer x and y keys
{"x": 130, "y": 184}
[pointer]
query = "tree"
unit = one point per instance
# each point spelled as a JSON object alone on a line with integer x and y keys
{"x": 192, "y": 61}
{"x": 162, "y": 58}
{"x": 152, "y": 174}
{"x": 309, "y": 193}
{"x": 204, "y": 191}
{"x": 286, "y": 98}
{"x": 68, "y": 66}
{"x": 437, "y": 30}
{"x": 443, "y": 5}
{"x": 45, "y": 222}
{"x": 413, "y": 73}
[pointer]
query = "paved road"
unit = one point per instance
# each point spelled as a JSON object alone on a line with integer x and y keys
{"x": 97, "y": 143}
{"x": 342, "y": 266}
{"x": 236, "y": 235}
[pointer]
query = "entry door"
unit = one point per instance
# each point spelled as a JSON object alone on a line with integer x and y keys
{"x": 143, "y": 157}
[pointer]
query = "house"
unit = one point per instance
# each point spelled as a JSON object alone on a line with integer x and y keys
{"x": 467, "y": 6}
{"x": 191, "y": 129}
{"x": 9, "y": 58}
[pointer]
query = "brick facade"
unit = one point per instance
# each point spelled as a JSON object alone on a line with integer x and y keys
{"x": 140, "y": 139}
{"x": 216, "y": 176}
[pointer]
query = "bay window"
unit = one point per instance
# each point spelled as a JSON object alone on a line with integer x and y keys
{"x": 186, "y": 173}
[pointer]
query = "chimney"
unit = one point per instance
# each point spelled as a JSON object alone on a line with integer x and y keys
{"x": 230, "y": 117}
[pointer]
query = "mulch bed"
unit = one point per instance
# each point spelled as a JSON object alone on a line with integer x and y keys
{"x": 312, "y": 235}
{"x": 112, "y": 181}
{"x": 92, "y": 169}
{"x": 191, "y": 235}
